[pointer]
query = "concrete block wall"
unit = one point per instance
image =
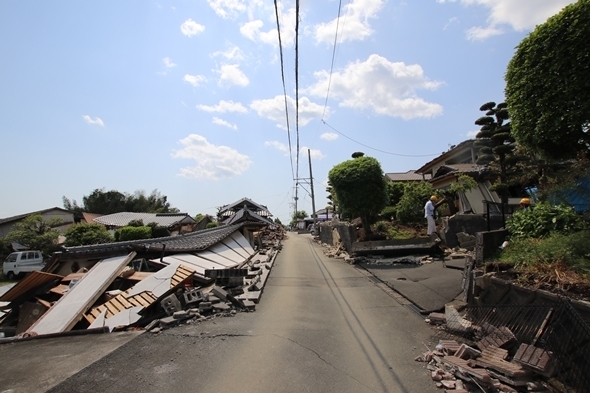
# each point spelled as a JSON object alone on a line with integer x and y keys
{"x": 469, "y": 224}
{"x": 488, "y": 243}
{"x": 334, "y": 232}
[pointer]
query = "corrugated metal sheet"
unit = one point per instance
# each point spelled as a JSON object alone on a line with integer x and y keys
{"x": 31, "y": 281}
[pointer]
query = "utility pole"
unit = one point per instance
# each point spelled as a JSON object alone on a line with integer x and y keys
{"x": 315, "y": 218}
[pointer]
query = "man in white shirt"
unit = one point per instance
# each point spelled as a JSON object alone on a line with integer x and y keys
{"x": 429, "y": 215}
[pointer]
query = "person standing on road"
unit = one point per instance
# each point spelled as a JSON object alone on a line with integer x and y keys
{"x": 429, "y": 208}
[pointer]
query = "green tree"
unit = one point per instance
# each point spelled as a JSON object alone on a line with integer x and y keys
{"x": 109, "y": 202}
{"x": 360, "y": 188}
{"x": 498, "y": 147}
{"x": 548, "y": 85}
{"x": 410, "y": 209}
{"x": 87, "y": 234}
{"x": 133, "y": 233}
{"x": 298, "y": 215}
{"x": 36, "y": 233}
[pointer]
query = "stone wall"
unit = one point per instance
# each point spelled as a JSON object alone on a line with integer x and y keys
{"x": 337, "y": 232}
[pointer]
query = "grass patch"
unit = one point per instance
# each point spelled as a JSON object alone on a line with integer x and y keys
{"x": 558, "y": 261}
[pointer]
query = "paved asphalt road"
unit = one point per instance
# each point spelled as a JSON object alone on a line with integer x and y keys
{"x": 321, "y": 326}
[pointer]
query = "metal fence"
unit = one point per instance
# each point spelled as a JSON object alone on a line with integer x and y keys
{"x": 556, "y": 328}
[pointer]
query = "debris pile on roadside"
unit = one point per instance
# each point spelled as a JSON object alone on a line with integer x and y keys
{"x": 495, "y": 361}
{"x": 134, "y": 291}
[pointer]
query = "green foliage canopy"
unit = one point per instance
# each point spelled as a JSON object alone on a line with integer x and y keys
{"x": 109, "y": 202}
{"x": 86, "y": 234}
{"x": 542, "y": 220}
{"x": 360, "y": 188}
{"x": 410, "y": 208}
{"x": 36, "y": 233}
{"x": 548, "y": 85}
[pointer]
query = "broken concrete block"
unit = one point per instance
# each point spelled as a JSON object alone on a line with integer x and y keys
{"x": 193, "y": 297}
{"x": 152, "y": 325}
{"x": 249, "y": 305}
{"x": 193, "y": 312}
{"x": 156, "y": 330}
{"x": 466, "y": 352}
{"x": 221, "y": 307}
{"x": 455, "y": 321}
{"x": 205, "y": 306}
{"x": 220, "y": 293}
{"x": 170, "y": 304}
{"x": 214, "y": 299}
{"x": 180, "y": 314}
{"x": 168, "y": 321}
{"x": 437, "y": 318}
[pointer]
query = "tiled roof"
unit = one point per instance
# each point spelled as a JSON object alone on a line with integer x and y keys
{"x": 455, "y": 169}
{"x": 21, "y": 216}
{"x": 445, "y": 155}
{"x": 162, "y": 219}
{"x": 406, "y": 176}
{"x": 240, "y": 203}
{"x": 246, "y": 215}
{"x": 89, "y": 217}
{"x": 195, "y": 241}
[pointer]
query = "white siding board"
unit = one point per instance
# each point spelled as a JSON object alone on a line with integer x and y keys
{"x": 68, "y": 310}
{"x": 192, "y": 262}
{"x": 243, "y": 242}
{"x": 227, "y": 252}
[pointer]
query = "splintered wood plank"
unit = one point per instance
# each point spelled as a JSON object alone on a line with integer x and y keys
{"x": 59, "y": 290}
{"x": 141, "y": 296}
{"x": 72, "y": 306}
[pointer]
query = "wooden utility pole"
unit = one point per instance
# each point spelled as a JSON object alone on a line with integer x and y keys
{"x": 315, "y": 218}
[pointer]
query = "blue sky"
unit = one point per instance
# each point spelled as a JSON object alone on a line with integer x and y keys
{"x": 186, "y": 97}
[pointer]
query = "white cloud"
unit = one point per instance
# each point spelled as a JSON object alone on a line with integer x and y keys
{"x": 278, "y": 145}
{"x": 230, "y": 74}
{"x": 329, "y": 136}
{"x": 227, "y": 9}
{"x": 211, "y": 162}
{"x": 168, "y": 62}
{"x": 520, "y": 15}
{"x": 274, "y": 109}
{"x": 234, "y": 53}
{"x": 253, "y": 30}
{"x": 353, "y": 24}
{"x": 96, "y": 121}
{"x": 221, "y": 122}
{"x": 472, "y": 134}
{"x": 223, "y": 107}
{"x": 194, "y": 80}
{"x": 385, "y": 87}
{"x": 482, "y": 33}
{"x": 190, "y": 28}
{"x": 314, "y": 153}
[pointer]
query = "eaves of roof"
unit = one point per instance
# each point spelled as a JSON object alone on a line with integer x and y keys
{"x": 407, "y": 176}
{"x": 445, "y": 155}
{"x": 194, "y": 241}
{"x": 21, "y": 216}
{"x": 123, "y": 218}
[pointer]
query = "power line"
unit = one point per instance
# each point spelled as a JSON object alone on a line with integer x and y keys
{"x": 284, "y": 87}
{"x": 333, "y": 58}
{"x": 381, "y": 151}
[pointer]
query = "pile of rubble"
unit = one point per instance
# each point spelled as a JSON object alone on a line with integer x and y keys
{"x": 495, "y": 362}
{"x": 121, "y": 297}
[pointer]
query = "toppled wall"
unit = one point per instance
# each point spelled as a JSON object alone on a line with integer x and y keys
{"x": 488, "y": 243}
{"x": 467, "y": 223}
{"x": 337, "y": 232}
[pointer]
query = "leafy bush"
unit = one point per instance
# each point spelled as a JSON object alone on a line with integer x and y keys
{"x": 410, "y": 208}
{"x": 135, "y": 223}
{"x": 86, "y": 234}
{"x": 160, "y": 231}
{"x": 543, "y": 220}
{"x": 212, "y": 225}
{"x": 391, "y": 231}
{"x": 388, "y": 212}
{"x": 571, "y": 250}
{"x": 133, "y": 233}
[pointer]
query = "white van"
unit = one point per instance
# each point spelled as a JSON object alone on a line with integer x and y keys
{"x": 22, "y": 262}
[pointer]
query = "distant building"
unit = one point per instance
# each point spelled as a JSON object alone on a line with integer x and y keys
{"x": 67, "y": 217}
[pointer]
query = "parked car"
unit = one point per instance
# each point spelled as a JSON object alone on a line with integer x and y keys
{"x": 22, "y": 262}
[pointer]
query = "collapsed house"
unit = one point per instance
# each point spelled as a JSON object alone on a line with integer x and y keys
{"x": 155, "y": 282}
